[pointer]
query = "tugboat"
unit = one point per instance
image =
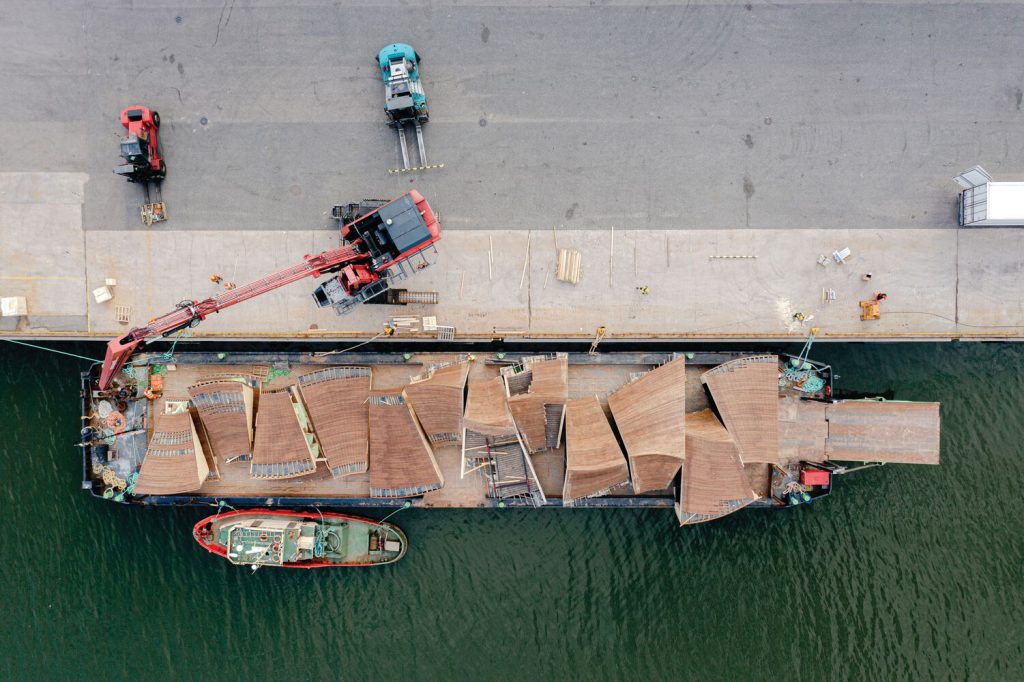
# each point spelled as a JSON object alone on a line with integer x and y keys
{"x": 294, "y": 539}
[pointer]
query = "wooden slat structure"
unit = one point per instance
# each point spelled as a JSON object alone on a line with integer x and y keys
{"x": 487, "y": 411}
{"x": 650, "y": 413}
{"x": 225, "y": 407}
{"x": 438, "y": 400}
{"x": 174, "y": 461}
{"x": 402, "y": 462}
{"x": 283, "y": 447}
{"x": 492, "y": 445}
{"x": 395, "y": 455}
{"x": 746, "y": 394}
{"x": 714, "y": 482}
{"x": 594, "y": 462}
{"x": 569, "y": 267}
{"x": 336, "y": 399}
{"x": 883, "y": 431}
{"x": 537, "y": 391}
{"x": 802, "y": 430}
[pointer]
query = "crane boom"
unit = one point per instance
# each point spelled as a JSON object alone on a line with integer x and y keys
{"x": 377, "y": 241}
{"x": 189, "y": 313}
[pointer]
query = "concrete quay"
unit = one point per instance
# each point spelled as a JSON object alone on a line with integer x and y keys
{"x": 717, "y": 114}
{"x": 698, "y": 130}
{"x": 702, "y": 284}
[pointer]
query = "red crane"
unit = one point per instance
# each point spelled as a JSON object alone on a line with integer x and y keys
{"x": 379, "y": 245}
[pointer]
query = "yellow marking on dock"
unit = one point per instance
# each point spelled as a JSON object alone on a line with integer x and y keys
{"x": 435, "y": 166}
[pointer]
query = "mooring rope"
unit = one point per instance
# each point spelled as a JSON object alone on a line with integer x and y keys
{"x": 52, "y": 350}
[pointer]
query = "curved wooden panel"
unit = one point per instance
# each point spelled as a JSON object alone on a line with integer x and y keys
{"x": 594, "y": 462}
{"x": 336, "y": 400}
{"x": 438, "y": 402}
{"x": 281, "y": 449}
{"x": 538, "y": 405}
{"x": 402, "y": 463}
{"x": 714, "y": 482}
{"x": 746, "y": 393}
{"x": 487, "y": 411}
{"x": 226, "y": 410}
{"x": 174, "y": 461}
{"x": 650, "y": 413}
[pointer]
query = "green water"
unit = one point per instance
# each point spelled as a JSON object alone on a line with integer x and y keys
{"x": 904, "y": 573}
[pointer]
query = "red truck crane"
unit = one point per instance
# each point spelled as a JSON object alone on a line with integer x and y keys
{"x": 383, "y": 242}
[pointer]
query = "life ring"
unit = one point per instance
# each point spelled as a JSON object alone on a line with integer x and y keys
{"x": 116, "y": 421}
{"x": 263, "y": 536}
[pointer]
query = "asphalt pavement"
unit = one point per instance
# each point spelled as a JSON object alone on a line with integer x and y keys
{"x": 710, "y": 115}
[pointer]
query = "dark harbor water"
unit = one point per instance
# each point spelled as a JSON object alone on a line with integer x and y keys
{"x": 906, "y": 572}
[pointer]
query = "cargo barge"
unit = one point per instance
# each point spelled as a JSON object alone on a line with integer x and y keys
{"x": 703, "y": 433}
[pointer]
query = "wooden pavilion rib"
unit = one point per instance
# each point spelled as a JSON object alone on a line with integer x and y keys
{"x": 889, "y": 431}
{"x": 538, "y": 405}
{"x": 594, "y": 462}
{"x": 402, "y": 462}
{"x": 225, "y": 408}
{"x": 487, "y": 411}
{"x": 713, "y": 481}
{"x": 491, "y": 443}
{"x": 650, "y": 414}
{"x": 438, "y": 401}
{"x": 282, "y": 449}
{"x": 336, "y": 398}
{"x": 746, "y": 393}
{"x": 174, "y": 461}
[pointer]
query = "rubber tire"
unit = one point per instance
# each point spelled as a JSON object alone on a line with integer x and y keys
{"x": 162, "y": 173}
{"x": 156, "y": 120}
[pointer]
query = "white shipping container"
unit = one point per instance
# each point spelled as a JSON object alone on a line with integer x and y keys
{"x": 984, "y": 203}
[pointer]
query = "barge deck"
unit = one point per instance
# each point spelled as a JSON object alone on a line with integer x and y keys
{"x": 495, "y": 430}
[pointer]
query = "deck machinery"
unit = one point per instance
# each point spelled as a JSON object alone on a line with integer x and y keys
{"x": 404, "y": 100}
{"x": 383, "y": 242}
